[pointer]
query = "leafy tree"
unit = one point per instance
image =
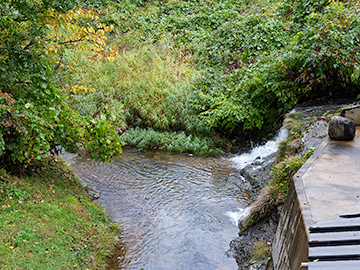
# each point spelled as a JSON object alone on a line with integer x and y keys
{"x": 35, "y": 116}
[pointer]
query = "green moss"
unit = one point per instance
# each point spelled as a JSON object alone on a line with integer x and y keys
{"x": 282, "y": 175}
{"x": 289, "y": 160}
{"x": 292, "y": 144}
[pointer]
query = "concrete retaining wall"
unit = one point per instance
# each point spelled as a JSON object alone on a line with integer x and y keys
{"x": 290, "y": 246}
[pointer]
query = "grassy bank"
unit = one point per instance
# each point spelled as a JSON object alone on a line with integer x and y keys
{"x": 47, "y": 221}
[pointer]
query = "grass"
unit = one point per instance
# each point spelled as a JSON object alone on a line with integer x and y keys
{"x": 171, "y": 142}
{"x": 48, "y": 221}
{"x": 148, "y": 87}
{"x": 261, "y": 251}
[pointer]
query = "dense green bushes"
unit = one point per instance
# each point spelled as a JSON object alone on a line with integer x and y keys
{"x": 259, "y": 58}
{"x": 315, "y": 57}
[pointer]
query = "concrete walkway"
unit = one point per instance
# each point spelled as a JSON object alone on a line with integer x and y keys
{"x": 328, "y": 186}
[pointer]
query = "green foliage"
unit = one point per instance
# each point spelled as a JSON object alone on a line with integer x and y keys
{"x": 298, "y": 10}
{"x": 282, "y": 174}
{"x": 259, "y": 58}
{"x": 35, "y": 116}
{"x": 146, "y": 87}
{"x": 147, "y": 90}
{"x": 11, "y": 192}
{"x": 261, "y": 251}
{"x": 171, "y": 142}
{"x": 314, "y": 58}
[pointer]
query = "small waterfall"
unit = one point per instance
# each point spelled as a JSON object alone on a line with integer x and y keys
{"x": 235, "y": 217}
{"x": 260, "y": 153}
{"x": 253, "y": 167}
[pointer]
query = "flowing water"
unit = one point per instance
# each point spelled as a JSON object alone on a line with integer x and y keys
{"x": 175, "y": 211}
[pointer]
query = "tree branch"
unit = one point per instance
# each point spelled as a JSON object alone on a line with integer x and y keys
{"x": 31, "y": 43}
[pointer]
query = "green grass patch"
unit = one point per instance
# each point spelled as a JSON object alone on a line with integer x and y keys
{"x": 47, "y": 221}
{"x": 283, "y": 173}
{"x": 171, "y": 142}
{"x": 261, "y": 251}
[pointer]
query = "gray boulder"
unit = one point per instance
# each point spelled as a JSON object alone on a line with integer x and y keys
{"x": 341, "y": 128}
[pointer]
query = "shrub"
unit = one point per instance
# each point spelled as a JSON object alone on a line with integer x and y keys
{"x": 315, "y": 57}
{"x": 35, "y": 117}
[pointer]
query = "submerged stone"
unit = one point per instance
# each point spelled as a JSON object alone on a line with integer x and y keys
{"x": 341, "y": 128}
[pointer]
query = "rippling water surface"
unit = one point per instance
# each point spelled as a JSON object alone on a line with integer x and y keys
{"x": 176, "y": 211}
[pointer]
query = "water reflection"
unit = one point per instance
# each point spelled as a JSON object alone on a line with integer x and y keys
{"x": 175, "y": 210}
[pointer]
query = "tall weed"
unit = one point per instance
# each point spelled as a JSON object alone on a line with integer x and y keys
{"x": 147, "y": 87}
{"x": 171, "y": 142}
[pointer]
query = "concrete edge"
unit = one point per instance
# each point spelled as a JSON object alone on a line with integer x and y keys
{"x": 300, "y": 188}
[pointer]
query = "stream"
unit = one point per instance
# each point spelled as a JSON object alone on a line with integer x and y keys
{"x": 176, "y": 211}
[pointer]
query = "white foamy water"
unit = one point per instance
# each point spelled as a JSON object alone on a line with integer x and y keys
{"x": 260, "y": 152}
{"x": 238, "y": 216}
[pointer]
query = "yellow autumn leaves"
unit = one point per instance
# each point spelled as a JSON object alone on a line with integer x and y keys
{"x": 78, "y": 27}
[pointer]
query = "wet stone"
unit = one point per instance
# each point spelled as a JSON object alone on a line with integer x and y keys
{"x": 257, "y": 173}
{"x": 315, "y": 134}
{"x": 236, "y": 180}
{"x": 242, "y": 247}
